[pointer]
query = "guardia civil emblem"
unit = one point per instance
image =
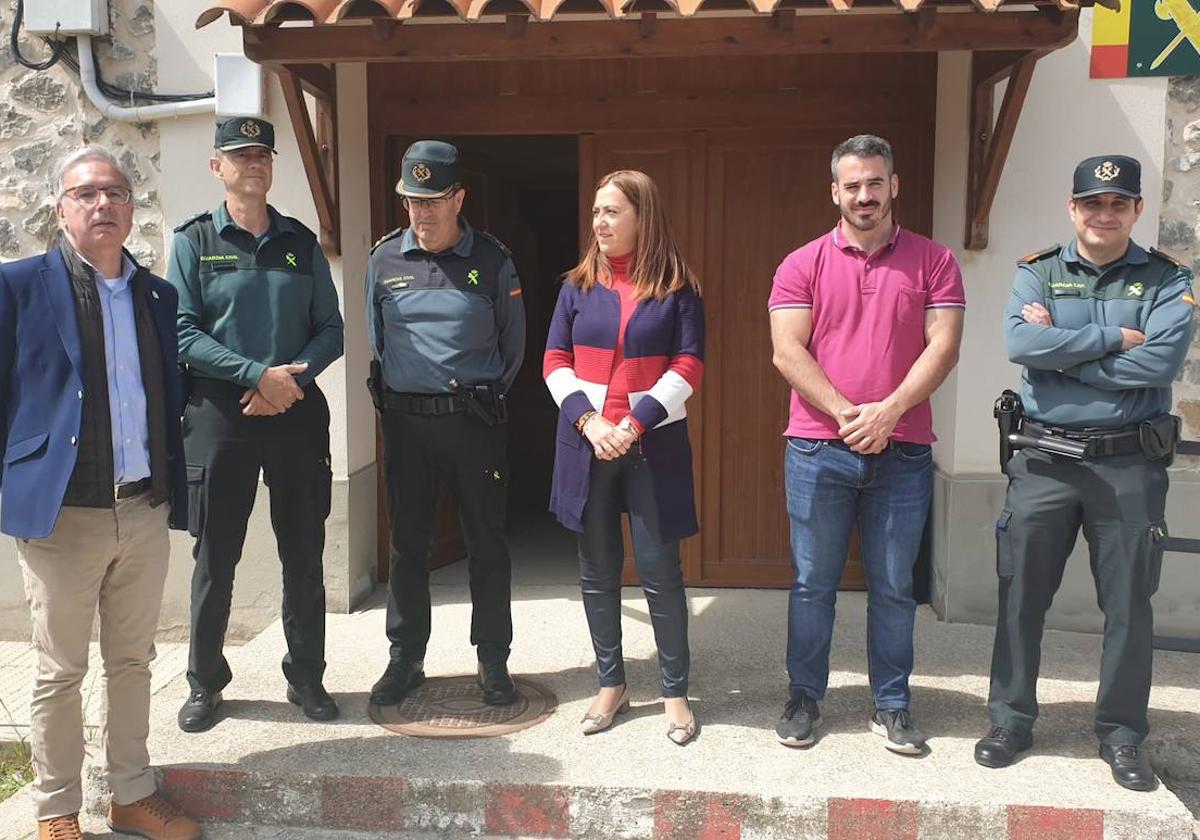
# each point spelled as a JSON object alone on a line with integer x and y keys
{"x": 250, "y": 129}
{"x": 1135, "y": 289}
{"x": 421, "y": 173}
{"x": 1107, "y": 171}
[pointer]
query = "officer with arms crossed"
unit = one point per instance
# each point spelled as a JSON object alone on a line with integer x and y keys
{"x": 1102, "y": 328}
{"x": 258, "y": 320}
{"x": 447, "y": 328}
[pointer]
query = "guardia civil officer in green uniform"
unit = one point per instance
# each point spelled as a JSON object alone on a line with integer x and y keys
{"x": 1101, "y": 327}
{"x": 258, "y": 320}
{"x": 447, "y": 328}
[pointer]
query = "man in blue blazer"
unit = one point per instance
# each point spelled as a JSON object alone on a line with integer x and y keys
{"x": 93, "y": 475}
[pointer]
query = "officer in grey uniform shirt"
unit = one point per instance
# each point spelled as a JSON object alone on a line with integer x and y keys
{"x": 447, "y": 329}
{"x": 1101, "y": 327}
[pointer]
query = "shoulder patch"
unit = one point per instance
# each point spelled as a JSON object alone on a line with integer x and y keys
{"x": 1040, "y": 255}
{"x": 391, "y": 235}
{"x": 503, "y": 248}
{"x": 199, "y": 217}
{"x": 1162, "y": 255}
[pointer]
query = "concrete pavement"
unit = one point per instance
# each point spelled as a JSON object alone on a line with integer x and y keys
{"x": 264, "y": 764}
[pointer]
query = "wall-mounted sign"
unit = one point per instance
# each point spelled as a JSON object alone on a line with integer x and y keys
{"x": 1146, "y": 38}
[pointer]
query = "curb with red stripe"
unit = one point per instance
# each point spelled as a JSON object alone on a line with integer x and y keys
{"x": 383, "y": 804}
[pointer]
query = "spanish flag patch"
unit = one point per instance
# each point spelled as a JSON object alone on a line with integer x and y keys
{"x": 515, "y": 292}
{"x": 1187, "y": 297}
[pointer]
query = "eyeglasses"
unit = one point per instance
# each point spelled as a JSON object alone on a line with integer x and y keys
{"x": 90, "y": 196}
{"x": 428, "y": 203}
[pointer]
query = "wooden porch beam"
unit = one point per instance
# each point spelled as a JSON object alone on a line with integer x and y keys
{"x": 994, "y": 67}
{"x": 990, "y": 144}
{"x": 740, "y": 36}
{"x": 318, "y": 80}
{"x": 320, "y": 165}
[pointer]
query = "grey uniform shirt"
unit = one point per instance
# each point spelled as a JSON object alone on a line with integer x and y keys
{"x": 457, "y": 314}
{"x": 1075, "y": 373}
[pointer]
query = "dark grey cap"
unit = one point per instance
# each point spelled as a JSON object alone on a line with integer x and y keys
{"x": 1118, "y": 174}
{"x": 243, "y": 132}
{"x": 429, "y": 170}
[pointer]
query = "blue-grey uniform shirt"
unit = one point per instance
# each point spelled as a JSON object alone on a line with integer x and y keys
{"x": 452, "y": 315}
{"x": 1076, "y": 374}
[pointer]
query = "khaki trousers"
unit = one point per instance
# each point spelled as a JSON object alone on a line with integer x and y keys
{"x": 114, "y": 560}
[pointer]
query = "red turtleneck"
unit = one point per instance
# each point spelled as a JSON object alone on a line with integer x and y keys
{"x": 616, "y": 400}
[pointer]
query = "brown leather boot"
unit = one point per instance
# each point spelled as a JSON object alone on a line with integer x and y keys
{"x": 60, "y": 828}
{"x": 154, "y": 818}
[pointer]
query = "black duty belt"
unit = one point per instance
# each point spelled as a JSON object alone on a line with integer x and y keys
{"x": 429, "y": 405}
{"x": 1100, "y": 443}
{"x": 133, "y": 488}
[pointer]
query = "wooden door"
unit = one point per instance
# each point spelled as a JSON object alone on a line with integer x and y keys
{"x": 767, "y": 192}
{"x": 738, "y": 202}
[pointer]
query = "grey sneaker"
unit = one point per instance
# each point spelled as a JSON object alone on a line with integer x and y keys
{"x": 898, "y": 730}
{"x": 800, "y": 719}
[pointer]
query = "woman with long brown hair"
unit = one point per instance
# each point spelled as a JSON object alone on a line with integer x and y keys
{"x": 624, "y": 353}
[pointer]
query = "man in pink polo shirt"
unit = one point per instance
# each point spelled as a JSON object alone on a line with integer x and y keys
{"x": 865, "y": 322}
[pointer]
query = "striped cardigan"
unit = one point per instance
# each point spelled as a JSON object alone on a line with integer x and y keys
{"x": 664, "y": 357}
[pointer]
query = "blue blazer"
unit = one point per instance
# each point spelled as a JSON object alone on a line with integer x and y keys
{"x": 41, "y": 393}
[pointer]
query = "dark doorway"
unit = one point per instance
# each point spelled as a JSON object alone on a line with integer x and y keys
{"x": 524, "y": 190}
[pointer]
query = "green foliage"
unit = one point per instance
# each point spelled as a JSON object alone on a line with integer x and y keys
{"x": 15, "y": 769}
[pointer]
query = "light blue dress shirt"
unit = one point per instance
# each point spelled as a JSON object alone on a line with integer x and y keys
{"x": 126, "y": 393}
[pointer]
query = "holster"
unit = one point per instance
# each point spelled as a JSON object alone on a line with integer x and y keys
{"x": 1009, "y": 414}
{"x": 375, "y": 384}
{"x": 1158, "y": 437}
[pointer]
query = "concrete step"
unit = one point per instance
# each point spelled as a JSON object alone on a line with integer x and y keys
{"x": 265, "y": 768}
{"x": 265, "y": 764}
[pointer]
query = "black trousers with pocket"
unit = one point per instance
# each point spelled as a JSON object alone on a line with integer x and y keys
{"x": 470, "y": 456}
{"x": 1119, "y": 503}
{"x": 225, "y": 452}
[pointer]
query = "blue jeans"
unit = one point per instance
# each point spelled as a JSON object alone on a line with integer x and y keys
{"x": 829, "y": 489}
{"x": 614, "y": 486}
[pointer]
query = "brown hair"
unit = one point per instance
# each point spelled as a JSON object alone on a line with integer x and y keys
{"x": 658, "y": 268}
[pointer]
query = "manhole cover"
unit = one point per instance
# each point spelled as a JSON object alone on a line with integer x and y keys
{"x": 451, "y": 707}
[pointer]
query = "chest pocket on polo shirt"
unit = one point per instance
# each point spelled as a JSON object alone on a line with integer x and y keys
{"x": 910, "y": 306}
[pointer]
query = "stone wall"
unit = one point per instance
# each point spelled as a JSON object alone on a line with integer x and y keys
{"x": 1179, "y": 226}
{"x": 44, "y": 115}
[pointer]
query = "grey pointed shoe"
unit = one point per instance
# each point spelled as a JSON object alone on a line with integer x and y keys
{"x": 591, "y": 724}
{"x": 682, "y": 733}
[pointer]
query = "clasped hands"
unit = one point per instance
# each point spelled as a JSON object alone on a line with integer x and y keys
{"x": 867, "y": 428}
{"x": 609, "y": 440}
{"x": 277, "y": 391}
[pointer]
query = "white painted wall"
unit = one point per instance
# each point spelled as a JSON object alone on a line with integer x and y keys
{"x": 1067, "y": 117}
{"x": 185, "y": 58}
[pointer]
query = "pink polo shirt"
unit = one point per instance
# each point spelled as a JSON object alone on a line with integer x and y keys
{"x": 868, "y": 319}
